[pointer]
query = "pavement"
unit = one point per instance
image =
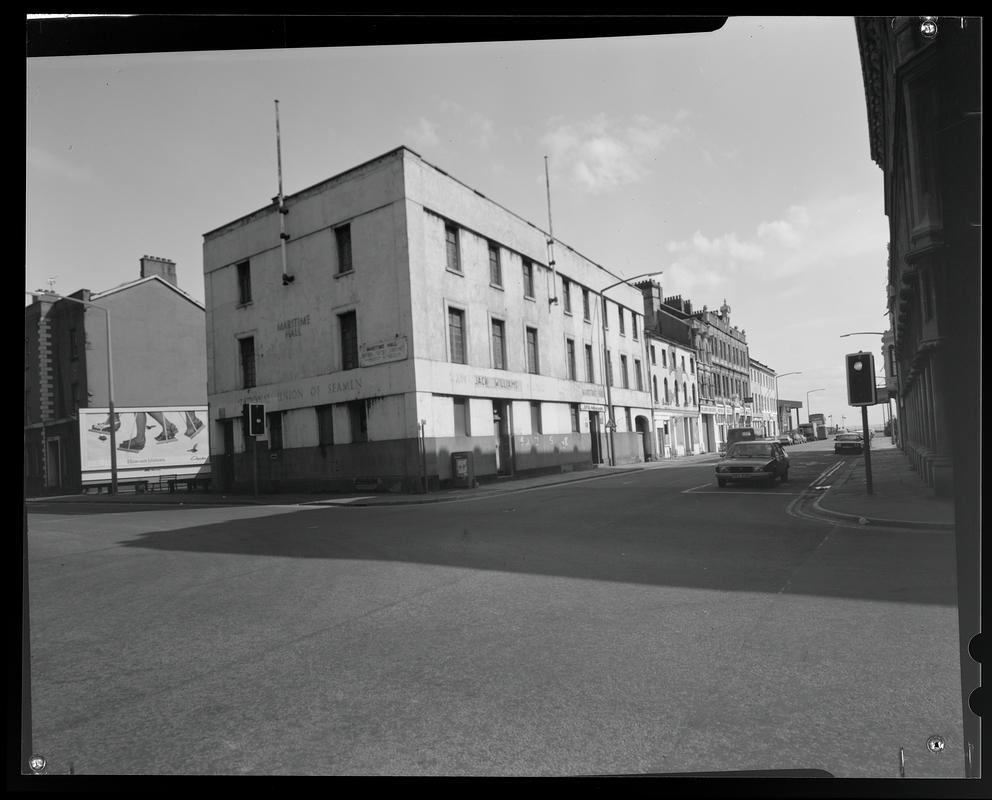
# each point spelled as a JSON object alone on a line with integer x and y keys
{"x": 899, "y": 498}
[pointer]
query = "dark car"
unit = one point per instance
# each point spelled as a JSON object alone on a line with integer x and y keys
{"x": 849, "y": 443}
{"x": 762, "y": 461}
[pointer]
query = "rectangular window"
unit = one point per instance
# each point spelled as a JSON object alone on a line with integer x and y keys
{"x": 247, "y": 347}
{"x": 637, "y": 375}
{"x": 609, "y": 368}
{"x": 683, "y": 363}
{"x": 606, "y": 316}
{"x": 566, "y": 295}
{"x": 533, "y": 362}
{"x": 570, "y": 359}
{"x": 574, "y": 410}
{"x": 692, "y": 366}
{"x": 451, "y": 243}
{"x": 358, "y": 417}
{"x": 460, "y": 406}
{"x": 456, "y": 335}
{"x": 653, "y": 357}
{"x": 349, "y": 340}
{"x": 535, "y": 417}
{"x": 633, "y": 323}
{"x": 73, "y": 344}
{"x": 343, "y": 237}
{"x": 620, "y": 316}
{"x": 624, "y": 376}
{"x": 244, "y": 283}
{"x": 664, "y": 359}
{"x": 499, "y": 344}
{"x": 586, "y": 313}
{"x": 325, "y": 425}
{"x": 495, "y": 268}
{"x": 590, "y": 374}
{"x": 275, "y": 430}
{"x": 528, "y": 269}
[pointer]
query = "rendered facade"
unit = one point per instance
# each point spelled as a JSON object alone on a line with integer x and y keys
{"x": 418, "y": 320}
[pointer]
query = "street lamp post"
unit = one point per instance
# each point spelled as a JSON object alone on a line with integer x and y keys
{"x": 807, "y": 401}
{"x": 110, "y": 381}
{"x": 778, "y": 414}
{"x": 611, "y": 424}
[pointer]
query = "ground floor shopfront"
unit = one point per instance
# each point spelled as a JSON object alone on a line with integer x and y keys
{"x": 417, "y": 440}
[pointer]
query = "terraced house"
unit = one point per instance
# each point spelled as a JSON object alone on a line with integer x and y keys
{"x": 391, "y": 318}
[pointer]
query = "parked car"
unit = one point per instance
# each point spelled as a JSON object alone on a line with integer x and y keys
{"x": 761, "y": 460}
{"x": 849, "y": 443}
{"x": 784, "y": 439}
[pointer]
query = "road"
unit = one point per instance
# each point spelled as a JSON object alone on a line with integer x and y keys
{"x": 644, "y": 622}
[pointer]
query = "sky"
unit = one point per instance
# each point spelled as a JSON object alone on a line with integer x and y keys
{"x": 734, "y": 163}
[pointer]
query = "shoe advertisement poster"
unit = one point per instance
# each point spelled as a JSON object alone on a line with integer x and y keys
{"x": 150, "y": 440}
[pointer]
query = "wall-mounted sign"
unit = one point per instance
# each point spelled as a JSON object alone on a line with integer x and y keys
{"x": 291, "y": 327}
{"x": 381, "y": 352}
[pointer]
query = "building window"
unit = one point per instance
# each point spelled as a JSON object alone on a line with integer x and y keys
{"x": 586, "y": 313}
{"x": 654, "y": 385}
{"x": 637, "y": 375}
{"x": 535, "y": 417}
{"x": 566, "y": 295}
{"x": 244, "y": 283}
{"x": 692, "y": 366}
{"x": 570, "y": 359}
{"x": 606, "y": 316}
{"x": 349, "y": 340}
{"x": 624, "y": 376}
{"x": 620, "y": 316}
{"x": 325, "y": 424}
{"x": 666, "y": 390}
{"x": 574, "y": 411}
{"x": 685, "y": 394}
{"x": 926, "y": 293}
{"x": 609, "y": 368}
{"x": 633, "y": 323}
{"x": 676, "y": 393}
{"x": 358, "y": 417}
{"x": 590, "y": 374}
{"x": 275, "y": 430}
{"x": 683, "y": 363}
{"x": 499, "y": 344}
{"x": 247, "y": 346}
{"x": 343, "y": 237}
{"x": 460, "y": 406}
{"x": 528, "y": 270}
{"x": 626, "y": 413}
{"x": 654, "y": 360}
{"x": 451, "y": 243}
{"x": 664, "y": 359}
{"x": 495, "y": 268}
{"x": 456, "y": 335}
{"x": 533, "y": 363}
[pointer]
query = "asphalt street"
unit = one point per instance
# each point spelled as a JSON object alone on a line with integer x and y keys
{"x": 642, "y": 622}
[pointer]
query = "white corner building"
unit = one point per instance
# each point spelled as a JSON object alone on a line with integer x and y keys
{"x": 404, "y": 332}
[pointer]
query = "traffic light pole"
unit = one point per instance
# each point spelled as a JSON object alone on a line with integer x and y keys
{"x": 867, "y": 441}
{"x": 254, "y": 465}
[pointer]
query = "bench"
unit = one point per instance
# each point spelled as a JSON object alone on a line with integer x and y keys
{"x": 192, "y": 482}
{"x": 139, "y": 486}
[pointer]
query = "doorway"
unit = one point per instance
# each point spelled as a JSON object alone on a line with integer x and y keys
{"x": 53, "y": 463}
{"x": 501, "y": 431}
{"x": 597, "y": 450}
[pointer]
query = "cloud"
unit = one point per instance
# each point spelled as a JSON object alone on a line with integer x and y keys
{"x": 483, "y": 129}
{"x": 600, "y": 154}
{"x": 824, "y": 237}
{"x": 423, "y": 134}
{"x": 47, "y": 162}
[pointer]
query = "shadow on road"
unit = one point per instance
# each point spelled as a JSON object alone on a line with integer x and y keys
{"x": 790, "y": 556}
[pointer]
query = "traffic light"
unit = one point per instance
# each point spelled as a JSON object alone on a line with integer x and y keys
{"x": 861, "y": 379}
{"x": 254, "y": 413}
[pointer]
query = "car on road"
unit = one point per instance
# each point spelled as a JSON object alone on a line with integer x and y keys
{"x": 758, "y": 461}
{"x": 848, "y": 443}
{"x": 784, "y": 439}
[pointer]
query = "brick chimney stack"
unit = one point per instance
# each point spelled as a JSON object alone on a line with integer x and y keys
{"x": 163, "y": 267}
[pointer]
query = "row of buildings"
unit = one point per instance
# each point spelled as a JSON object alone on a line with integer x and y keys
{"x": 388, "y": 318}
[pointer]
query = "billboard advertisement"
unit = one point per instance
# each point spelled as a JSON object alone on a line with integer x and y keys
{"x": 151, "y": 441}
